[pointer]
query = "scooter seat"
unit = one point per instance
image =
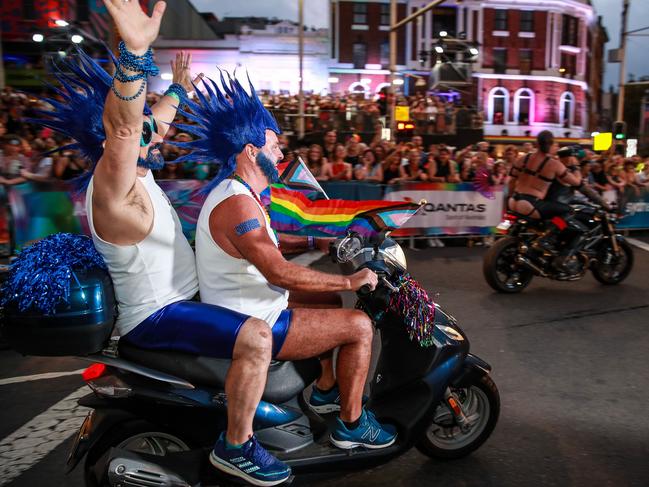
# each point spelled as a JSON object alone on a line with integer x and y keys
{"x": 285, "y": 379}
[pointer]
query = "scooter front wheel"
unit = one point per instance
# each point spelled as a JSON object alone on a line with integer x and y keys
{"x": 444, "y": 439}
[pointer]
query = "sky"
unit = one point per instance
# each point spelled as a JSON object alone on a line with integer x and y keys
{"x": 316, "y": 14}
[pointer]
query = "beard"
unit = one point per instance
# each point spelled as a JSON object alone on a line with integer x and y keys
{"x": 152, "y": 161}
{"x": 267, "y": 166}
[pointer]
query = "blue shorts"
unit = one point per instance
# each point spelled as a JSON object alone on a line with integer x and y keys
{"x": 200, "y": 329}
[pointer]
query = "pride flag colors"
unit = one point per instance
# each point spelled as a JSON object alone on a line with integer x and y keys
{"x": 293, "y": 213}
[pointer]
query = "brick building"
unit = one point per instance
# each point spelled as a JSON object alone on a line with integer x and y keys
{"x": 539, "y": 63}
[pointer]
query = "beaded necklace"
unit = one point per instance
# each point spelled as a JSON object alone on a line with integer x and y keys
{"x": 258, "y": 200}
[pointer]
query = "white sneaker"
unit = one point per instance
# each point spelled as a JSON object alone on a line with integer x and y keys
{"x": 432, "y": 242}
{"x": 440, "y": 243}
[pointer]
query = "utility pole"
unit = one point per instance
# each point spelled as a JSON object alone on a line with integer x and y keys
{"x": 620, "y": 98}
{"x": 394, "y": 26}
{"x": 300, "y": 98}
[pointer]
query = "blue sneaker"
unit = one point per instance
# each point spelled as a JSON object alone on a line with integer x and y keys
{"x": 369, "y": 433}
{"x": 324, "y": 403}
{"x": 250, "y": 462}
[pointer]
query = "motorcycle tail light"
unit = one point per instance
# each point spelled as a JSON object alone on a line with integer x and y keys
{"x": 510, "y": 217}
{"x": 95, "y": 371}
{"x": 560, "y": 223}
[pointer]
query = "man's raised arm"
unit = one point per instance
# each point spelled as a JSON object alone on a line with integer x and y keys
{"x": 125, "y": 102}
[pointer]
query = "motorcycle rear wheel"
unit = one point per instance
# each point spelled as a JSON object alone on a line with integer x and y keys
{"x": 606, "y": 273}
{"x": 444, "y": 439}
{"x": 137, "y": 436}
{"x": 500, "y": 269}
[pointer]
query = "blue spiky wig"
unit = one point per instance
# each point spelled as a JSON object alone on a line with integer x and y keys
{"x": 227, "y": 119}
{"x": 84, "y": 86}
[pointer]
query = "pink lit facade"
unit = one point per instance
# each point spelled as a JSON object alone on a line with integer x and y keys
{"x": 539, "y": 64}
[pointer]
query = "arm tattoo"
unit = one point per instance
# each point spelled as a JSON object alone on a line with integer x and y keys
{"x": 247, "y": 226}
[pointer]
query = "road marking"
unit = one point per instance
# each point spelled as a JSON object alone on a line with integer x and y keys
{"x": 638, "y": 243}
{"x": 307, "y": 258}
{"x": 32, "y": 441}
{"x": 48, "y": 375}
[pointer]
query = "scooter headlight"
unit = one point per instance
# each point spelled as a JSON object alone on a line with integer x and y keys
{"x": 394, "y": 253}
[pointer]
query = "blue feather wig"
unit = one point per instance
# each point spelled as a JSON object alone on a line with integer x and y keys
{"x": 84, "y": 86}
{"x": 227, "y": 119}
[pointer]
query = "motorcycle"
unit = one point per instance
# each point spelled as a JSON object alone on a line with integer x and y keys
{"x": 156, "y": 414}
{"x": 589, "y": 234}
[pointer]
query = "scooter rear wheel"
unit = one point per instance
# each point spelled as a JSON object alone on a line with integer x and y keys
{"x": 445, "y": 440}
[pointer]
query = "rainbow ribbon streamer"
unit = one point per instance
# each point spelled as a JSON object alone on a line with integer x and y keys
{"x": 293, "y": 213}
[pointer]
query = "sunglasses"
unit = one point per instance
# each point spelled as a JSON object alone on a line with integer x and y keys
{"x": 148, "y": 128}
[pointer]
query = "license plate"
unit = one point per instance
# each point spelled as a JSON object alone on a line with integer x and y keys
{"x": 504, "y": 225}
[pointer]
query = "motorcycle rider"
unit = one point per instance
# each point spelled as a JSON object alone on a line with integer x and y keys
{"x": 137, "y": 231}
{"x": 565, "y": 194}
{"x": 531, "y": 176}
{"x": 241, "y": 267}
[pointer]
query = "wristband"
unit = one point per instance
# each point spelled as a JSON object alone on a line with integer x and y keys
{"x": 310, "y": 242}
{"x": 178, "y": 93}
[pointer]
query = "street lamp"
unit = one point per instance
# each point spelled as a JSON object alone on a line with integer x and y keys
{"x": 443, "y": 33}
{"x": 474, "y": 51}
{"x": 77, "y": 39}
{"x": 38, "y": 37}
{"x": 439, "y": 49}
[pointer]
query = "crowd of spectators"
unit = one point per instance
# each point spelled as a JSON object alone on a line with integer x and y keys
{"x": 356, "y": 113}
{"x": 339, "y": 157}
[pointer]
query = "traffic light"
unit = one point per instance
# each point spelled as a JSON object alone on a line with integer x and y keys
{"x": 405, "y": 130}
{"x": 619, "y": 130}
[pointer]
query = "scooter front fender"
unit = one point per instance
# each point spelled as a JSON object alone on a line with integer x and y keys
{"x": 474, "y": 368}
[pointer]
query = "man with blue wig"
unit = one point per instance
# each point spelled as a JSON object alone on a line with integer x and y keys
{"x": 137, "y": 231}
{"x": 240, "y": 265}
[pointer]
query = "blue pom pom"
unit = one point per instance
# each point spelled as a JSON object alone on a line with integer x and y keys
{"x": 40, "y": 277}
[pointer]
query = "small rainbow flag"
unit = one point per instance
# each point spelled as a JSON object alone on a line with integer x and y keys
{"x": 293, "y": 213}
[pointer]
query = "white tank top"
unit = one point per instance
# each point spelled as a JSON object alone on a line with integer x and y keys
{"x": 228, "y": 281}
{"x": 153, "y": 273}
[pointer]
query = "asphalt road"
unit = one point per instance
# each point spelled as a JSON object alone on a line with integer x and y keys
{"x": 571, "y": 361}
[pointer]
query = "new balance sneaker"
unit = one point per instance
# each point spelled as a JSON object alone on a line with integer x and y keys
{"x": 369, "y": 433}
{"x": 327, "y": 402}
{"x": 250, "y": 462}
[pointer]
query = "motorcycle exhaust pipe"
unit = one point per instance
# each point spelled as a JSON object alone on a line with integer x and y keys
{"x": 530, "y": 265}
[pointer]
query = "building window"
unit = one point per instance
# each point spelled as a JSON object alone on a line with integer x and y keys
{"x": 566, "y": 109}
{"x": 498, "y": 106}
{"x": 527, "y": 21}
{"x": 524, "y": 106}
{"x": 569, "y": 33}
{"x": 500, "y": 60}
{"x": 444, "y": 19}
{"x": 28, "y": 10}
{"x": 385, "y": 53}
{"x": 360, "y": 13}
{"x": 359, "y": 88}
{"x": 359, "y": 55}
{"x": 568, "y": 64}
{"x": 525, "y": 61}
{"x": 500, "y": 22}
{"x": 385, "y": 14}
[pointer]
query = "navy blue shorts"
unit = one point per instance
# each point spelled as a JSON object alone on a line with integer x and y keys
{"x": 200, "y": 329}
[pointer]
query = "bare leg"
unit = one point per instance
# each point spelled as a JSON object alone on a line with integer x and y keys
{"x": 244, "y": 384}
{"x": 326, "y": 300}
{"x": 315, "y": 331}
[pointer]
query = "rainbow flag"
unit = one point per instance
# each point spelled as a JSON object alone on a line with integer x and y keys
{"x": 293, "y": 213}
